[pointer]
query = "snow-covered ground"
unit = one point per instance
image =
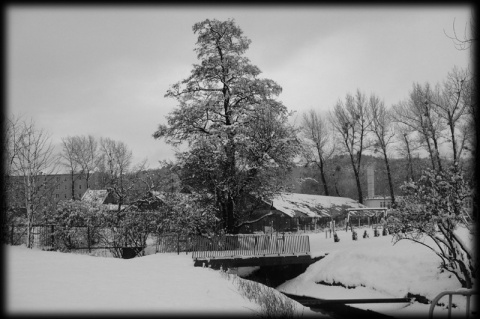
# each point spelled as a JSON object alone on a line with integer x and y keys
{"x": 42, "y": 282}
{"x": 54, "y": 282}
{"x": 377, "y": 269}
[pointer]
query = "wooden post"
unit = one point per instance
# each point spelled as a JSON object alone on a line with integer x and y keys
{"x": 52, "y": 236}
{"x": 88, "y": 239}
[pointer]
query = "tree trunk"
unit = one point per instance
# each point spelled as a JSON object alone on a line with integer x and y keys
{"x": 389, "y": 175}
{"x": 324, "y": 179}
{"x": 359, "y": 186}
{"x": 73, "y": 186}
{"x": 357, "y": 178}
{"x": 231, "y": 229}
{"x": 409, "y": 159}
{"x": 454, "y": 142}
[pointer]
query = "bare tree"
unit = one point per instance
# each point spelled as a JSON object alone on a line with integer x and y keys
{"x": 452, "y": 105}
{"x": 86, "y": 155}
{"x": 68, "y": 157}
{"x": 317, "y": 145}
{"x": 351, "y": 121}
{"x": 381, "y": 127}
{"x": 10, "y": 200}
{"x": 118, "y": 174}
{"x": 417, "y": 114}
{"x": 406, "y": 146}
{"x": 34, "y": 159}
{"x": 465, "y": 42}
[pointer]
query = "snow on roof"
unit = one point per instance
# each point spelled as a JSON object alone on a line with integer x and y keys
{"x": 98, "y": 195}
{"x": 294, "y": 204}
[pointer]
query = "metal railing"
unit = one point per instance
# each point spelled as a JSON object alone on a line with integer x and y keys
{"x": 466, "y": 293}
{"x": 250, "y": 245}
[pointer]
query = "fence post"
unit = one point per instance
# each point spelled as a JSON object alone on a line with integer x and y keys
{"x": 52, "y": 235}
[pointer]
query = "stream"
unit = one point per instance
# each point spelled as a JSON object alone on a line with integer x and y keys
{"x": 274, "y": 276}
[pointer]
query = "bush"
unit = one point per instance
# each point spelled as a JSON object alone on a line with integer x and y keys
{"x": 365, "y": 234}
{"x": 336, "y": 238}
{"x": 354, "y": 235}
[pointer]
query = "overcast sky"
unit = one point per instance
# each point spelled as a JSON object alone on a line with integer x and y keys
{"x": 105, "y": 70}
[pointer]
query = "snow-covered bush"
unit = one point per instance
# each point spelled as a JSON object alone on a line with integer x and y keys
{"x": 336, "y": 238}
{"x": 77, "y": 224}
{"x": 434, "y": 207}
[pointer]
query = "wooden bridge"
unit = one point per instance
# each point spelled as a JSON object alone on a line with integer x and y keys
{"x": 252, "y": 250}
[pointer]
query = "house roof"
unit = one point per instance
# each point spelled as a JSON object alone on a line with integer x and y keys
{"x": 301, "y": 205}
{"x": 98, "y": 196}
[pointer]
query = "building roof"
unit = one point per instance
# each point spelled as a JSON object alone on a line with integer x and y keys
{"x": 98, "y": 196}
{"x": 305, "y": 205}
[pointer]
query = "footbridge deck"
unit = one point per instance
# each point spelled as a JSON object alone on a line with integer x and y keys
{"x": 252, "y": 250}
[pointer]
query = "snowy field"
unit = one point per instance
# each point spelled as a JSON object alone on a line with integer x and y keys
{"x": 54, "y": 282}
{"x": 42, "y": 282}
{"x": 377, "y": 269}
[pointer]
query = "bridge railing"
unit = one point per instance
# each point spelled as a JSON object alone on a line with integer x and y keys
{"x": 465, "y": 293}
{"x": 250, "y": 245}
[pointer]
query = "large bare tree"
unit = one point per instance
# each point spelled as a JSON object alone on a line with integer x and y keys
{"x": 382, "y": 129}
{"x": 452, "y": 105}
{"x": 352, "y": 122}
{"x": 317, "y": 144}
{"x": 417, "y": 114}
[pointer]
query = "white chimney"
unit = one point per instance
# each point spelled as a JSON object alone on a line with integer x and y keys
{"x": 371, "y": 180}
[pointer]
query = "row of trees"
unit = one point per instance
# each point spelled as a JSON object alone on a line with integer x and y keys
{"x": 361, "y": 124}
{"x": 31, "y": 164}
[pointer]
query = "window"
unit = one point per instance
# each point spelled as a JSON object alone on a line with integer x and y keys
{"x": 58, "y": 178}
{"x": 57, "y": 196}
{"x": 57, "y": 187}
{"x": 65, "y": 186}
{"x": 80, "y": 186}
{"x": 65, "y": 179}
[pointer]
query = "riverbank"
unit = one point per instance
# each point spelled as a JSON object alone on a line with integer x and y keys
{"x": 375, "y": 267}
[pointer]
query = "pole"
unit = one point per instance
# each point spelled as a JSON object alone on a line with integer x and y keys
{"x": 88, "y": 239}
